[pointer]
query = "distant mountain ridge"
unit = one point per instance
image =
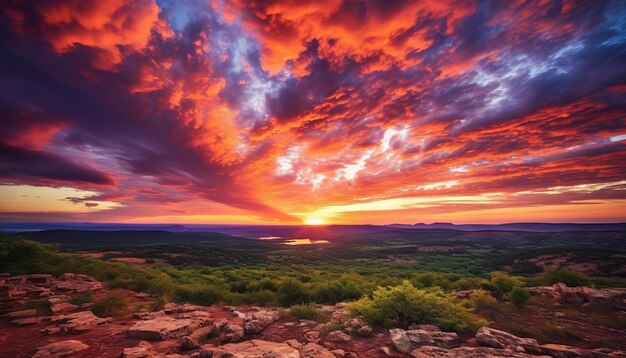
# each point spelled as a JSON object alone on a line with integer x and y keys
{"x": 256, "y": 231}
{"x": 528, "y": 227}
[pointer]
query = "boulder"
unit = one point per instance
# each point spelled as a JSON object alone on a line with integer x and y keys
{"x": 356, "y": 322}
{"x": 160, "y": 328}
{"x": 500, "y": 339}
{"x": 60, "y": 349}
{"x": 433, "y": 338}
{"x": 312, "y": 350}
{"x": 216, "y": 329}
{"x": 294, "y": 343}
{"x": 258, "y": 321}
{"x": 232, "y": 333}
{"x": 338, "y": 336}
{"x": 339, "y": 353}
{"x": 188, "y": 343}
{"x": 141, "y": 351}
{"x": 365, "y": 331}
{"x": 312, "y": 336}
{"x": 255, "y": 349}
{"x": 386, "y": 351}
{"x": 400, "y": 340}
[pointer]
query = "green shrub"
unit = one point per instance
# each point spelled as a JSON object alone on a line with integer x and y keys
{"x": 562, "y": 274}
{"x": 482, "y": 300}
{"x": 518, "y": 296}
{"x": 501, "y": 283}
{"x": 404, "y": 304}
{"x": 199, "y": 294}
{"x": 308, "y": 311}
{"x": 114, "y": 304}
{"x": 292, "y": 292}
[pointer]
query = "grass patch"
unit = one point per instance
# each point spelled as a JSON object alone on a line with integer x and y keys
{"x": 113, "y": 305}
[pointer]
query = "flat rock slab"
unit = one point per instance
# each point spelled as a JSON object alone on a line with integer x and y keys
{"x": 160, "y": 328}
{"x": 60, "y": 349}
{"x": 256, "y": 349}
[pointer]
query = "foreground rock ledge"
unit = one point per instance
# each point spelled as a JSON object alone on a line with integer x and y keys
{"x": 256, "y": 349}
{"x": 60, "y": 349}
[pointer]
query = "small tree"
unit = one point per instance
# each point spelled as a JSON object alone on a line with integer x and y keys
{"x": 501, "y": 283}
{"x": 518, "y": 296}
{"x": 404, "y": 304}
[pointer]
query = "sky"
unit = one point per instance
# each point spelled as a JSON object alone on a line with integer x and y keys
{"x": 315, "y": 112}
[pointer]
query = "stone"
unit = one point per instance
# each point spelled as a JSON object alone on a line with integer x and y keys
{"x": 294, "y": 343}
{"x": 160, "y": 328}
{"x": 50, "y": 330}
{"x": 141, "y": 351}
{"x": 60, "y": 349}
{"x": 433, "y": 338}
{"x": 78, "y": 322}
{"x": 341, "y": 305}
{"x": 356, "y": 322}
{"x": 217, "y": 327}
{"x": 188, "y": 343}
{"x": 386, "y": 351}
{"x": 27, "y": 321}
{"x": 467, "y": 352}
{"x": 232, "y": 333}
{"x": 563, "y": 351}
{"x": 365, "y": 331}
{"x": 21, "y": 313}
{"x": 339, "y": 353}
{"x": 338, "y": 336}
{"x": 239, "y": 314}
{"x": 255, "y": 349}
{"x": 63, "y": 307}
{"x": 400, "y": 340}
{"x": 312, "y": 350}
{"x": 312, "y": 336}
{"x": 500, "y": 339}
{"x": 258, "y": 321}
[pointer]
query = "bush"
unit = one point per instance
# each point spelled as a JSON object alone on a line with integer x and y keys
{"x": 561, "y": 274}
{"x": 518, "y": 296}
{"x": 199, "y": 294}
{"x": 114, "y": 304}
{"x": 308, "y": 311}
{"x": 482, "y": 300}
{"x": 404, "y": 304}
{"x": 81, "y": 299}
{"x": 292, "y": 292}
{"x": 501, "y": 283}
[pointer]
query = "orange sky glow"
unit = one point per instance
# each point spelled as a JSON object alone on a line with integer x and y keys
{"x": 313, "y": 112}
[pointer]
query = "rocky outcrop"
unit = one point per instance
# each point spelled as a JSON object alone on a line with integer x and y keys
{"x": 78, "y": 322}
{"x": 561, "y": 293}
{"x": 400, "y": 340}
{"x": 60, "y": 349}
{"x": 467, "y": 352}
{"x": 406, "y": 341}
{"x": 173, "y": 321}
{"x": 500, "y": 339}
{"x": 433, "y": 338}
{"x": 312, "y": 350}
{"x": 258, "y": 321}
{"x": 160, "y": 328}
{"x": 338, "y": 336}
{"x": 255, "y": 349}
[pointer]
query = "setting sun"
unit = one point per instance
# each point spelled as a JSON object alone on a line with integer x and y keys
{"x": 313, "y": 221}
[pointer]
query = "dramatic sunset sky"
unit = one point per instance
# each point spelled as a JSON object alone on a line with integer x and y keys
{"x": 291, "y": 111}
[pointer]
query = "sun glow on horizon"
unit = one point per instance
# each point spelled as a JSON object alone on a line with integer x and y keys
{"x": 313, "y": 221}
